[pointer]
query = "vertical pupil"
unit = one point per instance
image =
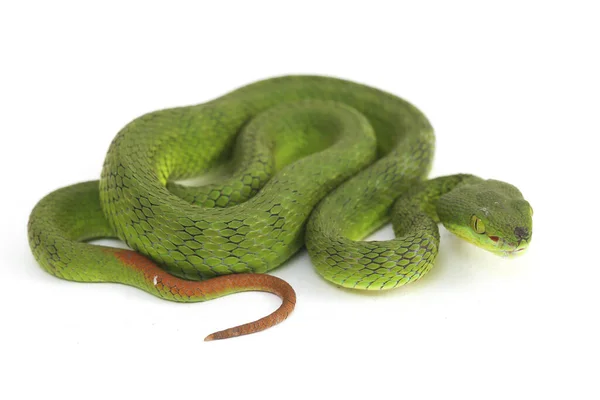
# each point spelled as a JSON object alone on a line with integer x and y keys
{"x": 477, "y": 225}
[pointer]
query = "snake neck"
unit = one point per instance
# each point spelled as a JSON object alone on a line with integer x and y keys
{"x": 416, "y": 210}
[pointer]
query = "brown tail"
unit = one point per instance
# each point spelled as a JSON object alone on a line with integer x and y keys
{"x": 160, "y": 283}
{"x": 255, "y": 282}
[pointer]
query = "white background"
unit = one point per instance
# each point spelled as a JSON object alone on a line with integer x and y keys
{"x": 512, "y": 91}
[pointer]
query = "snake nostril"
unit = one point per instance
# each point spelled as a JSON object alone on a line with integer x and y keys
{"x": 521, "y": 232}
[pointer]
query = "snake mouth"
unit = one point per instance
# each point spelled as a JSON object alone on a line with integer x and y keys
{"x": 506, "y": 248}
{"x": 511, "y": 250}
{"x": 515, "y": 252}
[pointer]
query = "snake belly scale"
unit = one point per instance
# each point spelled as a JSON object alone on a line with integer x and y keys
{"x": 289, "y": 161}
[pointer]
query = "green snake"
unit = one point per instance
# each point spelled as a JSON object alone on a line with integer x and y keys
{"x": 287, "y": 162}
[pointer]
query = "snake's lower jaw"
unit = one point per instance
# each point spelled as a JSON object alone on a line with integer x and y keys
{"x": 499, "y": 247}
{"x": 510, "y": 251}
{"x": 516, "y": 252}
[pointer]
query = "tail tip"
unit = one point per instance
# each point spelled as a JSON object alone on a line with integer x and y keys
{"x": 210, "y": 337}
{"x": 216, "y": 336}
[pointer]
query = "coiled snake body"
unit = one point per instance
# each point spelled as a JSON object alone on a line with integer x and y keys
{"x": 289, "y": 161}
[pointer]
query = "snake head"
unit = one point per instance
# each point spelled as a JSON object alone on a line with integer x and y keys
{"x": 490, "y": 214}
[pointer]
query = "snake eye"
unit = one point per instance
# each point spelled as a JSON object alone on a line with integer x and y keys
{"x": 477, "y": 225}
